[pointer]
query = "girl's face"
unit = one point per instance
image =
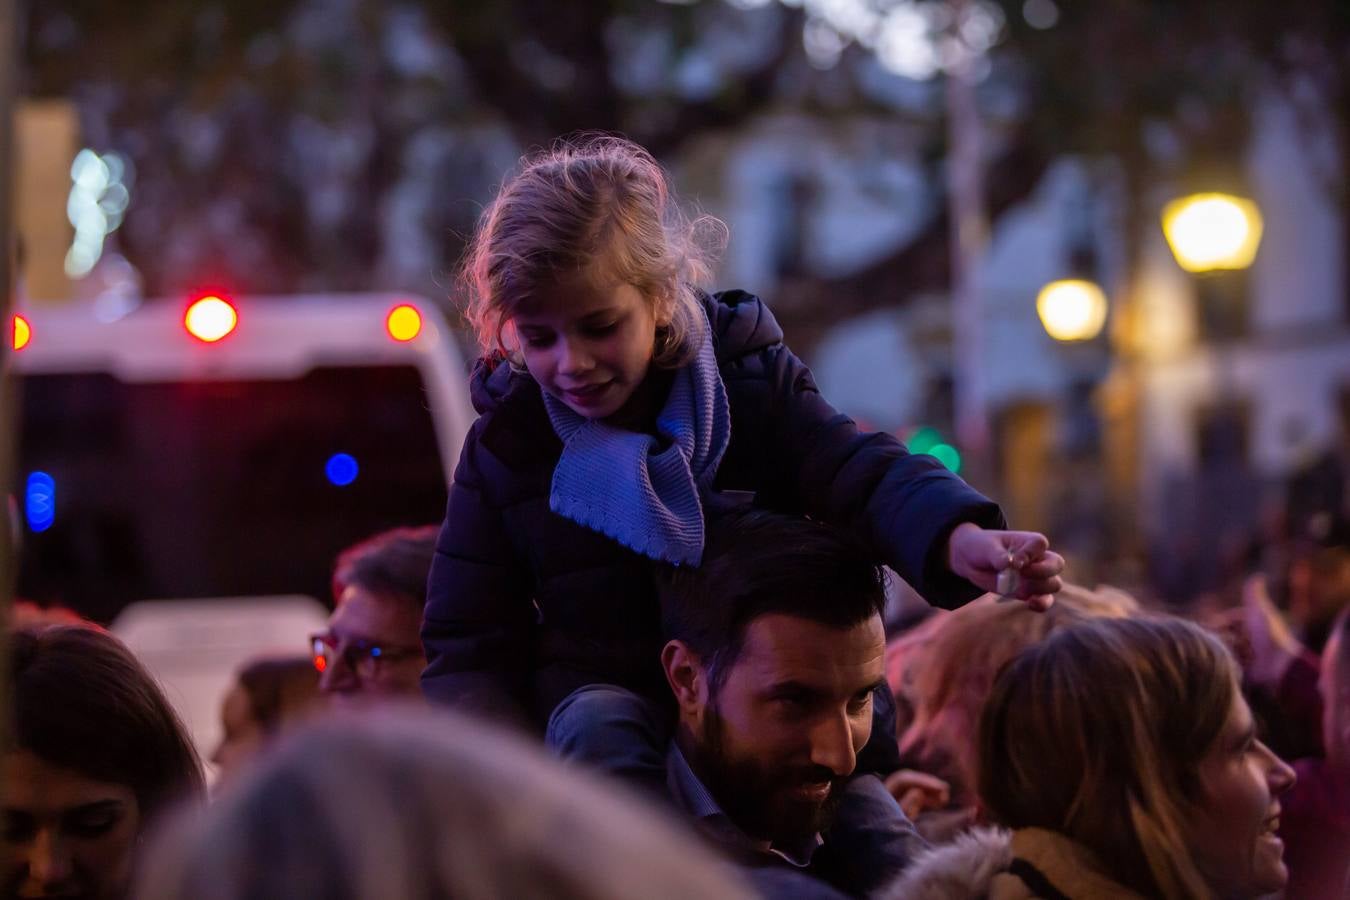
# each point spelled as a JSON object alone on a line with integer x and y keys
{"x": 587, "y": 345}
{"x": 65, "y": 835}
{"x": 1232, "y": 829}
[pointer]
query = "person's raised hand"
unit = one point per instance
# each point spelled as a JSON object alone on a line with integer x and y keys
{"x": 980, "y": 556}
{"x": 918, "y": 791}
{"x": 1272, "y": 644}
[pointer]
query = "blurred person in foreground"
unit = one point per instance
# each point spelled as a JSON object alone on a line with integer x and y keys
{"x": 775, "y": 647}
{"x": 371, "y": 650}
{"x": 414, "y": 804}
{"x": 1316, "y": 821}
{"x": 267, "y": 696}
{"x": 942, "y": 676}
{"x": 92, "y": 754}
{"x": 1123, "y": 757}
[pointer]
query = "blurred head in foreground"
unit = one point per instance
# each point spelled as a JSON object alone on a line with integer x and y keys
{"x": 1131, "y": 738}
{"x": 93, "y": 753}
{"x": 409, "y": 803}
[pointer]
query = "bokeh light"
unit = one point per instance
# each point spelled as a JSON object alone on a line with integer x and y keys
{"x": 100, "y": 193}
{"x": 210, "y": 319}
{"x": 1072, "y": 309}
{"x": 341, "y": 469}
{"x": 21, "y": 332}
{"x": 1212, "y": 231}
{"x": 39, "y": 504}
{"x": 404, "y": 322}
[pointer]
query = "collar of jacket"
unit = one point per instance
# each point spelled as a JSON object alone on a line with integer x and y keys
{"x": 1072, "y": 868}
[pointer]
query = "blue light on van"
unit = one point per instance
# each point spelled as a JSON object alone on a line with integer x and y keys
{"x": 341, "y": 469}
{"x": 39, "y": 501}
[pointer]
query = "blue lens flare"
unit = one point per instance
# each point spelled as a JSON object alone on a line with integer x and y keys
{"x": 341, "y": 469}
{"x": 39, "y": 502}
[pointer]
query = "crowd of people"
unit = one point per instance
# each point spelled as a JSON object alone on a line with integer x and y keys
{"x": 647, "y": 653}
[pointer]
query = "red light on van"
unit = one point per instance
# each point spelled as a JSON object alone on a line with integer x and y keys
{"x": 210, "y": 319}
{"x": 403, "y": 323}
{"x": 21, "y": 333}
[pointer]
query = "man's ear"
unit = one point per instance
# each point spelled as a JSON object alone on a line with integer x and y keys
{"x": 685, "y": 675}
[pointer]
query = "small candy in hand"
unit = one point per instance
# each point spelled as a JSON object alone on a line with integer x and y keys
{"x": 1007, "y": 580}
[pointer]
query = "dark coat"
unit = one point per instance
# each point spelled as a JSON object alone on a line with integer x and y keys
{"x": 524, "y": 606}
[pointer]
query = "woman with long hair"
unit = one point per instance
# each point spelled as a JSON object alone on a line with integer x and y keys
{"x": 1123, "y": 758}
{"x": 93, "y": 753}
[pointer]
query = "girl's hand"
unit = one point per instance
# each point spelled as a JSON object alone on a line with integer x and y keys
{"x": 979, "y": 556}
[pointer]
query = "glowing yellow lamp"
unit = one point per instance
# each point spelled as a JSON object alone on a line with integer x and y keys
{"x": 1072, "y": 309}
{"x": 1212, "y": 231}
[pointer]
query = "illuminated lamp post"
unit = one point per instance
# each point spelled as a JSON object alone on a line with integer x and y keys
{"x": 1212, "y": 232}
{"x": 1215, "y": 237}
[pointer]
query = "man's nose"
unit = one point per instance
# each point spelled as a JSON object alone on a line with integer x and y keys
{"x": 832, "y": 745}
{"x": 49, "y": 860}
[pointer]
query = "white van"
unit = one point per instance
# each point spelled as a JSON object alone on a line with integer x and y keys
{"x": 225, "y": 448}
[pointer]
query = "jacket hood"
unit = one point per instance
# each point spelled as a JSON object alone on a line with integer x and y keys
{"x": 741, "y": 324}
{"x": 961, "y": 870}
{"x": 493, "y": 380}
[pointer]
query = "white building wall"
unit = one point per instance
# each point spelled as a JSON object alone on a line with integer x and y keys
{"x": 1295, "y": 363}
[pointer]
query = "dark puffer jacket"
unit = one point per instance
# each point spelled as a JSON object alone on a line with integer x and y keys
{"x": 524, "y": 606}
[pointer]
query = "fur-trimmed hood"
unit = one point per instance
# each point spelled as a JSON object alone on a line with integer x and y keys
{"x": 974, "y": 867}
{"x": 961, "y": 870}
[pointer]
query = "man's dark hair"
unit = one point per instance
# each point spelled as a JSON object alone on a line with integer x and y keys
{"x": 392, "y": 565}
{"x": 756, "y": 563}
{"x": 82, "y": 701}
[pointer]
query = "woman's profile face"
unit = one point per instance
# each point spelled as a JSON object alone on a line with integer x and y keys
{"x": 64, "y": 834}
{"x": 242, "y": 735}
{"x": 1232, "y": 828}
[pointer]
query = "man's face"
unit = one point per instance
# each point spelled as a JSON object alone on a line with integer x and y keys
{"x": 361, "y": 622}
{"x": 783, "y": 731}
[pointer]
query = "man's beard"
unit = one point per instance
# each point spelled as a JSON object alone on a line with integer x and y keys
{"x": 755, "y": 797}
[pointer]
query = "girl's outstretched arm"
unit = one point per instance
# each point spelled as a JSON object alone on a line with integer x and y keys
{"x": 905, "y": 505}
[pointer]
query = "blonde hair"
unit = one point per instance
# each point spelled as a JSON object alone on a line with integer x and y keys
{"x": 421, "y": 804}
{"x": 600, "y": 205}
{"x": 953, "y": 669}
{"x": 1097, "y": 733}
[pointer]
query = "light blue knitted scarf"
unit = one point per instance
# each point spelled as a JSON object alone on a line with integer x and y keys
{"x": 643, "y": 490}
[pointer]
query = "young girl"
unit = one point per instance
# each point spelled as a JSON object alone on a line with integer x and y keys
{"x": 615, "y": 399}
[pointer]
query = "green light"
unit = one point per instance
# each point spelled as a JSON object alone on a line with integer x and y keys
{"x": 947, "y": 455}
{"x": 924, "y": 439}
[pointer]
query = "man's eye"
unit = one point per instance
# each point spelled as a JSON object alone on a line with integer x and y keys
{"x": 859, "y": 702}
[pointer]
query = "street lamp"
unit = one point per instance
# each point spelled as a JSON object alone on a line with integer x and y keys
{"x": 1208, "y": 232}
{"x": 1072, "y": 309}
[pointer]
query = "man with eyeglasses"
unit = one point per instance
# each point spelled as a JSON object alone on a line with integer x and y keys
{"x": 372, "y": 649}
